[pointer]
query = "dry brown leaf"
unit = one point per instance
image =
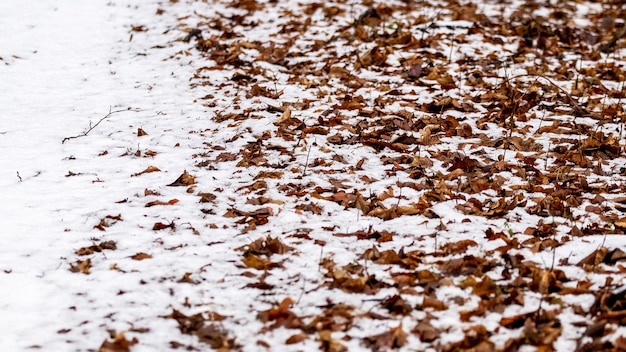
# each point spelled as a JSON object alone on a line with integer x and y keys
{"x": 296, "y": 338}
{"x": 425, "y": 331}
{"x": 621, "y": 223}
{"x": 256, "y": 262}
{"x": 281, "y": 316}
{"x": 329, "y": 344}
{"x": 286, "y": 115}
{"x": 147, "y": 170}
{"x": 458, "y": 246}
{"x": 212, "y": 334}
{"x": 269, "y": 174}
{"x": 150, "y": 192}
{"x": 81, "y": 266}
{"x": 226, "y": 157}
{"x": 434, "y": 303}
{"x": 393, "y": 338}
{"x": 161, "y": 226}
{"x": 187, "y": 279}
{"x": 185, "y": 179}
{"x": 141, "y": 256}
{"x": 97, "y": 247}
{"x": 119, "y": 344}
{"x": 108, "y": 221}
{"x": 158, "y": 202}
{"x": 207, "y": 197}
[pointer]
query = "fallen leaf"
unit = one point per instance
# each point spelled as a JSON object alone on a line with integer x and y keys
{"x": 185, "y": 179}
{"x": 329, "y": 344}
{"x": 108, "y": 221}
{"x": 286, "y": 115}
{"x": 281, "y": 316}
{"x": 119, "y": 344}
{"x": 141, "y": 256}
{"x": 296, "y": 339}
{"x": 211, "y": 334}
{"x": 393, "y": 338}
{"x": 81, "y": 266}
{"x": 161, "y": 226}
{"x": 187, "y": 279}
{"x": 97, "y": 247}
{"x": 147, "y": 170}
{"x": 158, "y": 202}
{"x": 425, "y": 331}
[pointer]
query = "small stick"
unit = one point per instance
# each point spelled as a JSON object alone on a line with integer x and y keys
{"x": 301, "y": 292}
{"x": 91, "y": 128}
{"x": 319, "y": 262}
{"x": 307, "y": 161}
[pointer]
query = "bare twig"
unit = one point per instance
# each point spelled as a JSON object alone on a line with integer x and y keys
{"x": 91, "y": 128}
{"x": 301, "y": 292}
{"x": 307, "y": 162}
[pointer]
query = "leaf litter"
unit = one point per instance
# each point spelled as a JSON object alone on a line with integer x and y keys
{"x": 380, "y": 175}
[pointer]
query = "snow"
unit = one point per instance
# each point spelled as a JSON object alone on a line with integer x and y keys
{"x": 67, "y": 66}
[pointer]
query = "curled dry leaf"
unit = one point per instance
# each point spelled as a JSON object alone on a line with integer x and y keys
{"x": 185, "y": 179}
{"x": 158, "y": 202}
{"x": 296, "y": 339}
{"x": 187, "y": 279}
{"x": 147, "y": 170}
{"x": 284, "y": 117}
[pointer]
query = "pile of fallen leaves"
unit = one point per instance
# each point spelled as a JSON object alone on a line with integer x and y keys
{"x": 411, "y": 174}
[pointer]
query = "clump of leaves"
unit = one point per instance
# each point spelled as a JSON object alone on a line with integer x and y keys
{"x": 211, "y": 334}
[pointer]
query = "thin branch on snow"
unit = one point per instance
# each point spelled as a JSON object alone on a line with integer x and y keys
{"x": 91, "y": 128}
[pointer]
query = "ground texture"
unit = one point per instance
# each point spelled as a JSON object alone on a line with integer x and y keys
{"x": 335, "y": 176}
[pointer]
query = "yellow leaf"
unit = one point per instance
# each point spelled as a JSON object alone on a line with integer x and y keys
{"x": 285, "y": 116}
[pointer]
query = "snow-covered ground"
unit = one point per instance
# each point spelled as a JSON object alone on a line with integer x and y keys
{"x": 64, "y": 65}
{"x": 99, "y": 236}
